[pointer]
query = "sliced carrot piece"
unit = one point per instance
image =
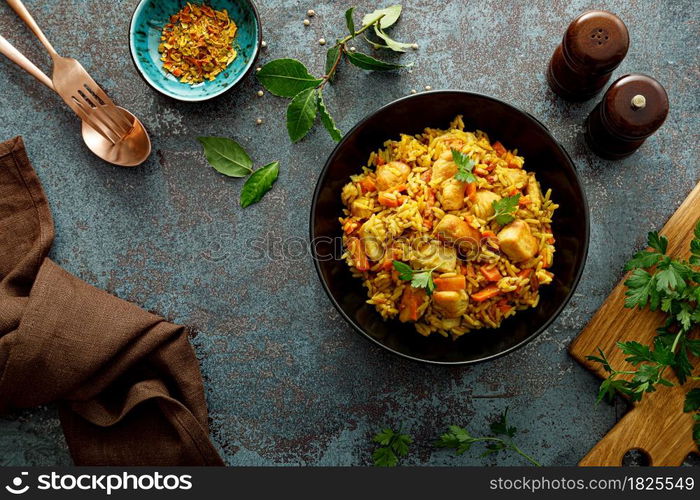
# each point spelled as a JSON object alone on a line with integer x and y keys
{"x": 453, "y": 283}
{"x": 350, "y": 226}
{"x": 367, "y": 184}
{"x": 486, "y": 293}
{"x": 411, "y": 300}
{"x": 499, "y": 148}
{"x": 491, "y": 273}
{"x": 488, "y": 234}
{"x": 471, "y": 191}
{"x": 389, "y": 199}
{"x": 524, "y": 273}
{"x": 359, "y": 257}
{"x": 524, "y": 201}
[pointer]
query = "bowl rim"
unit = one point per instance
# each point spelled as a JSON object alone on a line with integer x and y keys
{"x": 234, "y": 84}
{"x": 547, "y": 323}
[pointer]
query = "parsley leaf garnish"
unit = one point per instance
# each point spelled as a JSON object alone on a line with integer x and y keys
{"x": 672, "y": 285}
{"x": 504, "y": 209}
{"x": 422, "y": 278}
{"x": 394, "y": 445}
{"x": 465, "y": 165}
{"x": 459, "y": 439}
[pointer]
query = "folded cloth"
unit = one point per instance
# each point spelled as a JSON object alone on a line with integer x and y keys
{"x": 127, "y": 382}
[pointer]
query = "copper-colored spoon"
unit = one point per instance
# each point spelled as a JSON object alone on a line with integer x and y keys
{"x": 131, "y": 150}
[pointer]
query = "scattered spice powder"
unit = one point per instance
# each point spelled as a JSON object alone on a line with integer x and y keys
{"x": 197, "y": 43}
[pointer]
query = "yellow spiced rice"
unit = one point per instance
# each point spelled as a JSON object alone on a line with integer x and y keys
{"x": 197, "y": 43}
{"x": 407, "y": 206}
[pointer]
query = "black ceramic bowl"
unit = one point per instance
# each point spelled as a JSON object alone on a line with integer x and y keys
{"x": 502, "y": 122}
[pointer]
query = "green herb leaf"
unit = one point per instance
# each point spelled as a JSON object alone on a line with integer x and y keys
{"x": 385, "y": 457}
{"x": 465, "y": 165}
{"x": 384, "y": 437}
{"x": 695, "y": 246}
{"x": 331, "y": 57}
{"x": 327, "y": 119}
{"x": 390, "y": 43}
{"x": 405, "y": 271}
{"x": 286, "y": 77}
{"x": 636, "y": 352}
{"x": 301, "y": 114}
{"x": 391, "y": 15}
{"x": 668, "y": 280}
{"x": 500, "y": 426}
{"x": 643, "y": 259}
{"x": 226, "y": 156}
{"x": 349, "y": 21}
{"x": 505, "y": 208}
{"x": 394, "y": 445}
{"x": 423, "y": 279}
{"x": 658, "y": 243}
{"x": 638, "y": 286}
{"x": 370, "y": 63}
{"x": 460, "y": 440}
{"x": 692, "y": 401}
{"x": 259, "y": 183}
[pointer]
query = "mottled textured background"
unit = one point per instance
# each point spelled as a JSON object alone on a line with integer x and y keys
{"x": 287, "y": 381}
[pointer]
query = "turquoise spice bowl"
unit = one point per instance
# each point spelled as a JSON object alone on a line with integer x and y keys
{"x": 144, "y": 36}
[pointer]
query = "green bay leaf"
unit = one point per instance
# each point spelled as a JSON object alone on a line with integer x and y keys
{"x": 370, "y": 63}
{"x": 301, "y": 114}
{"x": 349, "y": 20}
{"x": 259, "y": 183}
{"x": 331, "y": 57}
{"x": 390, "y": 42}
{"x": 286, "y": 77}
{"x": 226, "y": 156}
{"x": 327, "y": 119}
{"x": 391, "y": 15}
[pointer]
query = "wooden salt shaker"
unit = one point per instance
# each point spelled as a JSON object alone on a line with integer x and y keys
{"x": 632, "y": 109}
{"x": 595, "y": 43}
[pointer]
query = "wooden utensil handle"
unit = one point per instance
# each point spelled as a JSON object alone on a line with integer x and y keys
{"x": 24, "y": 14}
{"x": 7, "y": 49}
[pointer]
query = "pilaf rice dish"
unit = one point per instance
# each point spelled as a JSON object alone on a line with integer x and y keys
{"x": 448, "y": 230}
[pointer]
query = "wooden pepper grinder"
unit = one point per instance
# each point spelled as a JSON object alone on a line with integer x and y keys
{"x": 632, "y": 109}
{"x": 595, "y": 43}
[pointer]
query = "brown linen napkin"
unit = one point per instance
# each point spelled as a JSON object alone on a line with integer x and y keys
{"x": 127, "y": 382}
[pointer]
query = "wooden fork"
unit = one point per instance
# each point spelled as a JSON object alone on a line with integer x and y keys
{"x": 78, "y": 89}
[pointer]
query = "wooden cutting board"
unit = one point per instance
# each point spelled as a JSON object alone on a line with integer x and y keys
{"x": 657, "y": 424}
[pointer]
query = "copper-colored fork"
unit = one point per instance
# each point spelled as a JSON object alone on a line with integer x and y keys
{"x": 78, "y": 89}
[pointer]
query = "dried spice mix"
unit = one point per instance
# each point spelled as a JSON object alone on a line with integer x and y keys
{"x": 197, "y": 43}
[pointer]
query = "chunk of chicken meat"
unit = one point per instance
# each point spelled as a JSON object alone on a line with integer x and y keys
{"x": 453, "y": 195}
{"x": 433, "y": 255}
{"x": 458, "y": 232}
{"x": 443, "y": 168}
{"x": 517, "y": 242}
{"x": 513, "y": 176}
{"x": 483, "y": 203}
{"x": 358, "y": 208}
{"x": 534, "y": 192}
{"x": 452, "y": 304}
{"x": 391, "y": 175}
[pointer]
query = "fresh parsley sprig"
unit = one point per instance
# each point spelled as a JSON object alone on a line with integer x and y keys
{"x": 459, "y": 439}
{"x": 465, "y": 165}
{"x": 672, "y": 286}
{"x": 421, "y": 278}
{"x": 394, "y": 445}
{"x": 290, "y": 78}
{"x": 504, "y": 209}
